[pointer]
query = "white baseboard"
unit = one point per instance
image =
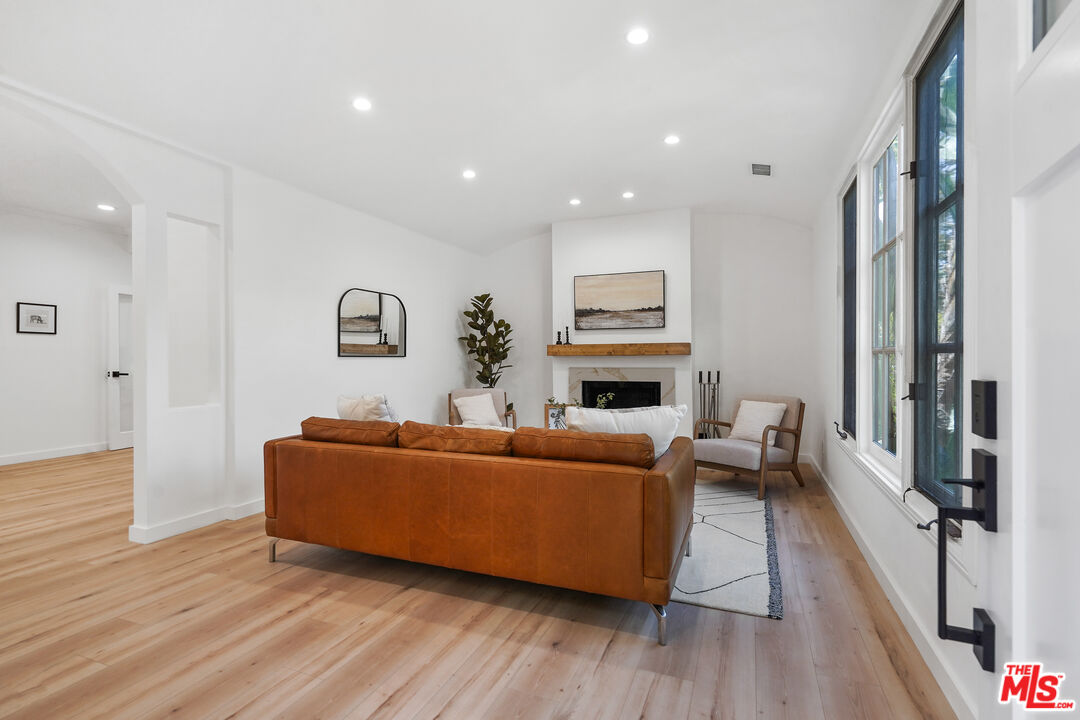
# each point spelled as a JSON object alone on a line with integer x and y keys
{"x": 925, "y": 641}
{"x": 243, "y": 510}
{"x": 53, "y": 453}
{"x": 153, "y": 533}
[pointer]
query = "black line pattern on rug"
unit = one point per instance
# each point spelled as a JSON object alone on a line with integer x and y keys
{"x": 731, "y": 582}
{"x": 730, "y": 533}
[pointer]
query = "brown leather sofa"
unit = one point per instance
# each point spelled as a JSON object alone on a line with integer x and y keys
{"x": 585, "y": 511}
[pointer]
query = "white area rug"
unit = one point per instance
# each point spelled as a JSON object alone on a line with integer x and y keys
{"x": 733, "y": 565}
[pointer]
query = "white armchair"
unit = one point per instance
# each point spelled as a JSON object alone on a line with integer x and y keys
{"x": 498, "y": 397}
{"x": 740, "y": 456}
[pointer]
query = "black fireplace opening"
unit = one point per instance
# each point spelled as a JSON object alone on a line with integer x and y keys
{"x": 628, "y": 394}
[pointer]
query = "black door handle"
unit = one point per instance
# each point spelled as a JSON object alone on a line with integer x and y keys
{"x": 117, "y": 373}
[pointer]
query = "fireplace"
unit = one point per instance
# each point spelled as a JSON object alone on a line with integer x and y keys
{"x": 628, "y": 393}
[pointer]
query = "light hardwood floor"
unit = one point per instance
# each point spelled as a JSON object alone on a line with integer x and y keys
{"x": 202, "y": 626}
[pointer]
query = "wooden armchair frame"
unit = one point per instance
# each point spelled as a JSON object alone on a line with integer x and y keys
{"x": 766, "y": 466}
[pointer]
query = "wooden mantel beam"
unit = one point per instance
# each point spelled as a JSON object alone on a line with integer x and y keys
{"x": 601, "y": 349}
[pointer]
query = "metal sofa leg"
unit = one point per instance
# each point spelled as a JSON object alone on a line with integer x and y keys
{"x": 661, "y": 623}
{"x": 272, "y": 548}
{"x": 689, "y": 544}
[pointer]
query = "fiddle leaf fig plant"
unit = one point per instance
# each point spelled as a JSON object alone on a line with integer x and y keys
{"x": 488, "y": 343}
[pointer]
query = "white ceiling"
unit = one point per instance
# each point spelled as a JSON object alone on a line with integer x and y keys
{"x": 39, "y": 172}
{"x": 546, "y": 100}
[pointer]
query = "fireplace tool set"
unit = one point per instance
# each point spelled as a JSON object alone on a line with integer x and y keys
{"x": 709, "y": 402}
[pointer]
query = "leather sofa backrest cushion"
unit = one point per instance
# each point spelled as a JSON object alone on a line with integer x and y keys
{"x": 454, "y": 438}
{"x": 634, "y": 449}
{"x": 356, "y": 432}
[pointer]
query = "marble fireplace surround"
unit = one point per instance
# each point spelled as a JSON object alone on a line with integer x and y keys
{"x": 664, "y": 376}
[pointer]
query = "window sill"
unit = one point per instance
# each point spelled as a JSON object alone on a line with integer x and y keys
{"x": 917, "y": 508}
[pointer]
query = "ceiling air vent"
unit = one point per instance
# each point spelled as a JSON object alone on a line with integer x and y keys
{"x": 760, "y": 169}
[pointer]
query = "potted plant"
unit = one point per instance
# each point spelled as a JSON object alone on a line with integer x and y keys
{"x": 489, "y": 343}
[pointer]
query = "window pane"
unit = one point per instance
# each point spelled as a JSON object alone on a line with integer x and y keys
{"x": 946, "y": 275}
{"x": 879, "y": 384}
{"x": 890, "y": 189}
{"x": 850, "y": 277}
{"x": 884, "y": 394}
{"x": 890, "y": 297}
{"x": 890, "y": 416}
{"x": 879, "y": 206}
{"x": 947, "y": 428}
{"x": 947, "y": 99}
{"x": 877, "y": 336}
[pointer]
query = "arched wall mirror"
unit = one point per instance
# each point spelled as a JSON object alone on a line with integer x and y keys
{"x": 370, "y": 324}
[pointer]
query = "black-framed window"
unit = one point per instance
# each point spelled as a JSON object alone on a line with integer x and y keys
{"x": 850, "y": 235}
{"x": 1044, "y": 13}
{"x": 939, "y": 270}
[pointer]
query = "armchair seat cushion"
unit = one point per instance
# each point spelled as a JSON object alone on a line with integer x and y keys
{"x": 737, "y": 453}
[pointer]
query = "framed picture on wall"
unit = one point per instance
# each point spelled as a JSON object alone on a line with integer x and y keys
{"x": 619, "y": 301}
{"x": 35, "y": 318}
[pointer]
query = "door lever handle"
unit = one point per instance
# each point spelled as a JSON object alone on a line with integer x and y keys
{"x": 116, "y": 374}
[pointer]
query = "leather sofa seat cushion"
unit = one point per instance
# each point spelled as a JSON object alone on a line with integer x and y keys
{"x": 635, "y": 449}
{"x": 737, "y": 453}
{"x": 454, "y": 438}
{"x": 357, "y": 432}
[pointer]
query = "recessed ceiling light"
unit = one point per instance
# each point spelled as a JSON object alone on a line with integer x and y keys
{"x": 637, "y": 36}
{"x": 575, "y": 201}
{"x": 627, "y": 195}
{"x": 468, "y": 174}
{"x": 672, "y": 140}
{"x": 362, "y": 104}
{"x": 106, "y": 208}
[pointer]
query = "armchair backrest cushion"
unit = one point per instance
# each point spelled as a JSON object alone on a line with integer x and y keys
{"x": 498, "y": 397}
{"x": 790, "y": 419}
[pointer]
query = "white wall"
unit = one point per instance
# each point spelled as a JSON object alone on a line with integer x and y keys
{"x": 753, "y": 313}
{"x": 519, "y": 278}
{"x": 1021, "y": 140}
{"x": 293, "y": 256}
{"x": 53, "y": 386}
{"x": 626, "y": 243}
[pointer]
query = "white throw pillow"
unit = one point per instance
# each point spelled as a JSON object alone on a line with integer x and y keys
{"x": 365, "y": 407}
{"x": 477, "y": 410}
{"x": 660, "y": 423}
{"x": 753, "y": 416}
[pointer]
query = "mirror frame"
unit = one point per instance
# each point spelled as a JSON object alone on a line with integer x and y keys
{"x": 404, "y": 324}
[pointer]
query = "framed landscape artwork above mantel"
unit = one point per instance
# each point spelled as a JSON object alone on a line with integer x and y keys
{"x": 619, "y": 301}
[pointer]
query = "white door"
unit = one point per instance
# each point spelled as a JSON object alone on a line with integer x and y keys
{"x": 1046, "y": 132}
{"x": 120, "y": 403}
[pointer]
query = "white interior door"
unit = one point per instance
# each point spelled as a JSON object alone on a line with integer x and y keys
{"x": 1047, "y": 158}
{"x": 120, "y": 403}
